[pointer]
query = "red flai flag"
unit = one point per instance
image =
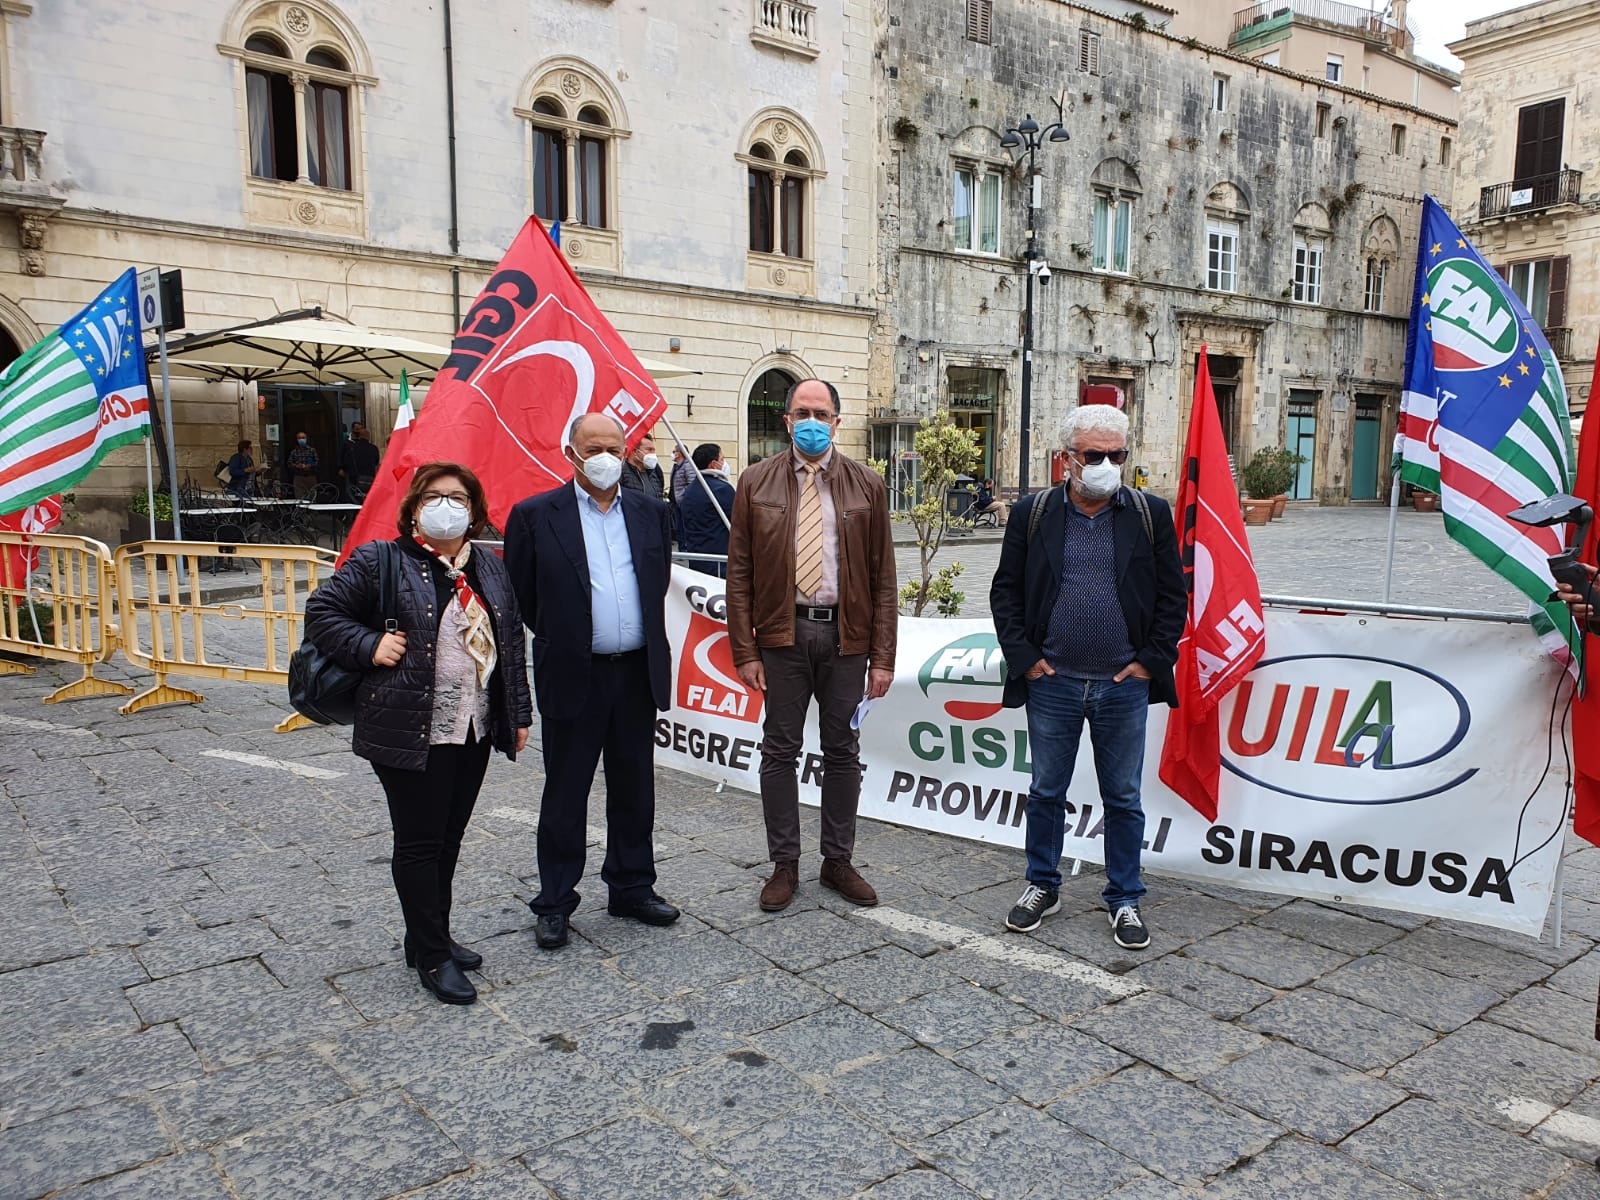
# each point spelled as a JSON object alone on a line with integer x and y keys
{"x": 1586, "y": 708}
{"x": 533, "y": 353}
{"x": 1224, "y": 635}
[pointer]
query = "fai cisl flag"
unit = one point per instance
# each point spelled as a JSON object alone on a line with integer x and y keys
{"x": 533, "y": 353}
{"x": 1224, "y": 635}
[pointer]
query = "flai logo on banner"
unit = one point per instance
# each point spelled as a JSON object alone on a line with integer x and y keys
{"x": 1382, "y": 761}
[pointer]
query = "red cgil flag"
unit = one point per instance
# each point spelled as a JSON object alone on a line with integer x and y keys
{"x": 533, "y": 353}
{"x": 41, "y": 517}
{"x": 1224, "y": 635}
{"x": 1586, "y": 708}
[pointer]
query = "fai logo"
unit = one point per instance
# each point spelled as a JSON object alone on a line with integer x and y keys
{"x": 974, "y": 669}
{"x": 707, "y": 679}
{"x": 1473, "y": 326}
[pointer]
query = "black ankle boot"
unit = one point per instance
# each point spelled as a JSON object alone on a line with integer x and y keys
{"x": 448, "y": 983}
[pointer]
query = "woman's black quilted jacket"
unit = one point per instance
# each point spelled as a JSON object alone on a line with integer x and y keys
{"x": 394, "y": 705}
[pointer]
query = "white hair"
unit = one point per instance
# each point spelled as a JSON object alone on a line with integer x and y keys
{"x": 1101, "y": 418}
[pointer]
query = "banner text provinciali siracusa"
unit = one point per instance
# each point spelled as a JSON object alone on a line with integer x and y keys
{"x": 1380, "y": 761}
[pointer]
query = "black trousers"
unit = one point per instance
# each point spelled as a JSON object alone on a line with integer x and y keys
{"x": 616, "y": 724}
{"x": 429, "y": 810}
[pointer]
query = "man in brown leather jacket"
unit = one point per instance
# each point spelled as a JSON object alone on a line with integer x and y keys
{"x": 812, "y": 613}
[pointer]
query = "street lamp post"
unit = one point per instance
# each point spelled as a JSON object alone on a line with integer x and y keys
{"x": 1029, "y": 136}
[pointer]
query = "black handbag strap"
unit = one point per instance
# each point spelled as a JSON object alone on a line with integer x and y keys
{"x": 389, "y": 586}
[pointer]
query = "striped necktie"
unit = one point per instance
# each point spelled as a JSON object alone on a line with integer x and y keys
{"x": 808, "y": 537}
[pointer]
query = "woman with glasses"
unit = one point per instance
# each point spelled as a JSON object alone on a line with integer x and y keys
{"x": 437, "y": 693}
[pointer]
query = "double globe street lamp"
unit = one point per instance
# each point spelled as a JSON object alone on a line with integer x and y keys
{"x": 1029, "y": 136}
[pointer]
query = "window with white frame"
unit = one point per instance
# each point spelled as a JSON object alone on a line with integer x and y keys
{"x": 975, "y": 215}
{"x": 1219, "y": 93}
{"x": 1307, "y": 269}
{"x": 1335, "y": 68}
{"x": 1222, "y": 255}
{"x": 1397, "y": 139}
{"x": 1377, "y": 280}
{"x": 1113, "y": 221}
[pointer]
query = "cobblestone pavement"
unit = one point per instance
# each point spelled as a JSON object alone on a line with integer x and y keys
{"x": 1331, "y": 553}
{"x": 202, "y": 995}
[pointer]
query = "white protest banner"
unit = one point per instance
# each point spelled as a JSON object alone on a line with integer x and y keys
{"x": 1383, "y": 761}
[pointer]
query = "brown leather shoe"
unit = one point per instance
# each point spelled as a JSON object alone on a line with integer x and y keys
{"x": 846, "y": 880}
{"x": 779, "y": 890}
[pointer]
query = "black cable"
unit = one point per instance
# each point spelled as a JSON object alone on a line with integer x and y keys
{"x": 1551, "y": 733}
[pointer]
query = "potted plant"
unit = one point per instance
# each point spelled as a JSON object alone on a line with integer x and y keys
{"x": 138, "y": 528}
{"x": 1424, "y": 501}
{"x": 1261, "y": 477}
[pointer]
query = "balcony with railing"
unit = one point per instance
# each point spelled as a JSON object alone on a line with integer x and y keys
{"x": 1560, "y": 340}
{"x": 1271, "y": 15}
{"x": 20, "y": 167}
{"x": 787, "y": 25}
{"x": 1533, "y": 194}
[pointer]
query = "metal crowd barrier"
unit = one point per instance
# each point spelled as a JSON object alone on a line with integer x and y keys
{"x": 164, "y": 613}
{"x": 62, "y": 609}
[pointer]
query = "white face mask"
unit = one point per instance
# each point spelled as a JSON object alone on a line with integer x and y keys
{"x": 443, "y": 520}
{"x": 1101, "y": 480}
{"x": 651, "y": 462}
{"x": 603, "y": 470}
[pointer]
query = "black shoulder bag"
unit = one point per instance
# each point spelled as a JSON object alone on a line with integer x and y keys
{"x": 323, "y": 690}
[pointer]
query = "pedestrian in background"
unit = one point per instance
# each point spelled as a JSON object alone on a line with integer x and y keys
{"x": 642, "y": 470}
{"x": 437, "y": 693}
{"x": 358, "y": 464}
{"x": 812, "y": 614}
{"x": 703, "y": 518}
{"x": 241, "y": 469}
{"x": 591, "y": 563}
{"x": 1088, "y": 604}
{"x": 303, "y": 464}
{"x": 682, "y": 475}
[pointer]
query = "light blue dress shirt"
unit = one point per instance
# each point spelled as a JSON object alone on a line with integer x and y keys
{"x": 613, "y": 587}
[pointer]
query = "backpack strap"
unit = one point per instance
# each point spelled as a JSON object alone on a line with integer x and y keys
{"x": 1143, "y": 505}
{"x": 1035, "y": 511}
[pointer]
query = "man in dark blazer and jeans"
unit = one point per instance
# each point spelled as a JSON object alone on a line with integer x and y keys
{"x": 591, "y": 563}
{"x": 1088, "y": 604}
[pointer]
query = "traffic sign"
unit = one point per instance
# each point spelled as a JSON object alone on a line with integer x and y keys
{"x": 150, "y": 314}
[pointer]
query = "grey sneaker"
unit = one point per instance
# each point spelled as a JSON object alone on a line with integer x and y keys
{"x": 1036, "y": 904}
{"x": 1128, "y": 928}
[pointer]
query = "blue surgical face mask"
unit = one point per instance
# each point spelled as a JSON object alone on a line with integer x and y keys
{"x": 812, "y": 436}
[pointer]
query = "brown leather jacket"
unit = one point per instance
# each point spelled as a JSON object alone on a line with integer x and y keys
{"x": 761, "y": 560}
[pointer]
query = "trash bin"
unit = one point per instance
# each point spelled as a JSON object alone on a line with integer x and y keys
{"x": 959, "y": 498}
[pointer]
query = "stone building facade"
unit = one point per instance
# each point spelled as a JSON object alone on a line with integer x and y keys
{"x": 713, "y": 166}
{"x": 1528, "y": 187}
{"x": 1203, "y": 199}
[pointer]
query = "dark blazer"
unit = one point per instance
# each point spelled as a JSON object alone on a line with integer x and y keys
{"x": 550, "y": 571}
{"x": 1150, "y": 585}
{"x": 700, "y": 528}
{"x": 394, "y": 705}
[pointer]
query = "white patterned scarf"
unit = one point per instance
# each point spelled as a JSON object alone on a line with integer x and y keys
{"x": 480, "y": 630}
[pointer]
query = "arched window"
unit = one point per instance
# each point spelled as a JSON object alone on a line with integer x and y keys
{"x": 1116, "y": 187}
{"x": 1227, "y": 209}
{"x": 1380, "y": 250}
{"x": 302, "y": 68}
{"x": 783, "y": 164}
{"x": 575, "y": 121}
{"x": 1311, "y": 232}
{"x": 766, "y": 434}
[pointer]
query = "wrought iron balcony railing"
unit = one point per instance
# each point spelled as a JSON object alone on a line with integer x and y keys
{"x": 1560, "y": 340}
{"x": 1529, "y": 195}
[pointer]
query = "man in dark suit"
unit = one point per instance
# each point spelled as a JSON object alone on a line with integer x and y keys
{"x": 703, "y": 518}
{"x": 591, "y": 564}
{"x": 1088, "y": 605}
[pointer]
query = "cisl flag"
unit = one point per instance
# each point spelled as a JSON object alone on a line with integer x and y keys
{"x": 1224, "y": 635}
{"x": 533, "y": 353}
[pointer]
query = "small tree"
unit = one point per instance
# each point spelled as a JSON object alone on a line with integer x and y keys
{"x": 947, "y": 451}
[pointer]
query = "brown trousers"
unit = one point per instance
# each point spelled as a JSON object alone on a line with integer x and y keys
{"x": 811, "y": 668}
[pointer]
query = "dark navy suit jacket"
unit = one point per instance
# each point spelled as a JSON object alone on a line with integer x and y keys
{"x": 550, "y": 572}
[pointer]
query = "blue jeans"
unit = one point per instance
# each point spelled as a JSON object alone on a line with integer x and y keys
{"x": 1116, "y": 712}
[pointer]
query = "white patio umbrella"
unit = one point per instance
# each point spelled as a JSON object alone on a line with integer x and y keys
{"x": 304, "y": 349}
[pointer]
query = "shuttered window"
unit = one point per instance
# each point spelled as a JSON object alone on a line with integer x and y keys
{"x": 980, "y": 18}
{"x": 1088, "y": 52}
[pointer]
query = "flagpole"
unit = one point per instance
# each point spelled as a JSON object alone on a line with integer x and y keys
{"x": 150, "y": 483}
{"x": 1394, "y": 517}
{"x": 689, "y": 458}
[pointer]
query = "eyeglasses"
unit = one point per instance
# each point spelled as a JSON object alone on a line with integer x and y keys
{"x": 1093, "y": 458}
{"x": 453, "y": 497}
{"x": 822, "y": 414}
